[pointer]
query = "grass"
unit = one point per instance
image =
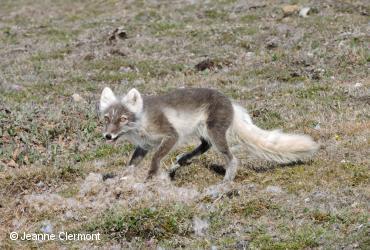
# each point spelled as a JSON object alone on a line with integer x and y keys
{"x": 144, "y": 223}
{"x": 303, "y": 75}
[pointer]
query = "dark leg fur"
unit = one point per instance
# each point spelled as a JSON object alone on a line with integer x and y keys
{"x": 184, "y": 160}
{"x": 218, "y": 169}
{"x": 137, "y": 156}
{"x": 201, "y": 149}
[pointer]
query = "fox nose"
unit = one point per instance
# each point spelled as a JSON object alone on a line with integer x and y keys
{"x": 108, "y": 136}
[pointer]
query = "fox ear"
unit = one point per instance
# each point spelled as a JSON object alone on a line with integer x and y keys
{"x": 133, "y": 101}
{"x": 107, "y": 98}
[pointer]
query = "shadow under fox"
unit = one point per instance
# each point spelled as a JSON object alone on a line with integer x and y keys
{"x": 166, "y": 121}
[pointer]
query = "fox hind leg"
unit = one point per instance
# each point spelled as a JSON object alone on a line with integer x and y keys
{"x": 201, "y": 149}
{"x": 184, "y": 159}
{"x": 217, "y": 135}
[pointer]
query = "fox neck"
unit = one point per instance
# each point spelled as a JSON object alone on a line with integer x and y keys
{"x": 139, "y": 136}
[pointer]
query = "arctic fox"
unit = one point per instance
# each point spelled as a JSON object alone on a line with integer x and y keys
{"x": 164, "y": 122}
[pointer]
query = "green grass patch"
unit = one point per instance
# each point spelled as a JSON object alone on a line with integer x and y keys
{"x": 312, "y": 91}
{"x": 144, "y": 223}
{"x": 104, "y": 150}
{"x": 359, "y": 174}
{"x": 166, "y": 27}
{"x": 249, "y": 18}
{"x": 254, "y": 208}
{"x": 52, "y": 55}
{"x": 301, "y": 238}
{"x": 269, "y": 119}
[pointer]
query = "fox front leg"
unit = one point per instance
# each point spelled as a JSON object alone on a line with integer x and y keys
{"x": 164, "y": 148}
{"x": 137, "y": 156}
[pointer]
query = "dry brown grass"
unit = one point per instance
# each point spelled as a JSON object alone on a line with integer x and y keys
{"x": 307, "y": 75}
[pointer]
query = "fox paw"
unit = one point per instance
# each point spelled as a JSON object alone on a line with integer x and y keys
{"x": 183, "y": 159}
{"x": 171, "y": 174}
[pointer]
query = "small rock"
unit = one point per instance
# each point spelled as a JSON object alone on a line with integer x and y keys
{"x": 68, "y": 215}
{"x": 304, "y": 11}
{"x": 307, "y": 200}
{"x": 358, "y": 85}
{"x": 355, "y": 204}
{"x": 317, "y": 126}
{"x": 249, "y": 55}
{"x": 290, "y": 9}
{"x": 274, "y": 189}
{"x": 125, "y": 69}
{"x": 47, "y": 228}
{"x": 310, "y": 54}
{"x": 40, "y": 184}
{"x": 77, "y": 98}
{"x": 243, "y": 244}
{"x": 272, "y": 43}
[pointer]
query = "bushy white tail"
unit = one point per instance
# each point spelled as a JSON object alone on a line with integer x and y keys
{"x": 271, "y": 145}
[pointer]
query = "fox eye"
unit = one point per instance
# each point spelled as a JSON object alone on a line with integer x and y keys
{"x": 106, "y": 118}
{"x": 123, "y": 118}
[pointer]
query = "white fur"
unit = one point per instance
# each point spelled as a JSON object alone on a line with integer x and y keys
{"x": 133, "y": 101}
{"x": 107, "y": 98}
{"x": 186, "y": 123}
{"x": 231, "y": 169}
{"x": 271, "y": 145}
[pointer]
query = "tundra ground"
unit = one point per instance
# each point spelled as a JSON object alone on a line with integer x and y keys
{"x": 300, "y": 74}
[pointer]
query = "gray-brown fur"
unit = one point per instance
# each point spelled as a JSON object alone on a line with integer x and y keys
{"x": 162, "y": 122}
{"x": 217, "y": 107}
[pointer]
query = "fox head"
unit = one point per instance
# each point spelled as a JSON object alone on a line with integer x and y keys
{"x": 119, "y": 113}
